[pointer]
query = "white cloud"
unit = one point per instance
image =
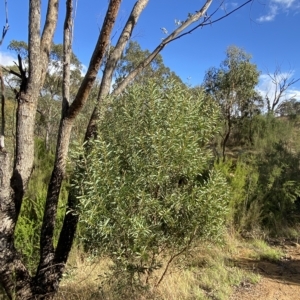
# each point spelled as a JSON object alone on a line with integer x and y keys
{"x": 228, "y": 6}
{"x": 6, "y": 59}
{"x": 275, "y": 7}
{"x": 265, "y": 85}
{"x": 83, "y": 69}
{"x": 286, "y": 3}
{"x": 270, "y": 16}
{"x": 293, "y": 93}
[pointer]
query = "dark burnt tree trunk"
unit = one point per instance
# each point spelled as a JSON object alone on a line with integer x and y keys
{"x": 227, "y": 133}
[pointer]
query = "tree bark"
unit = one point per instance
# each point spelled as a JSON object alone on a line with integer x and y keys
{"x": 225, "y": 140}
{"x": 14, "y": 276}
{"x": 51, "y": 265}
{"x": 47, "y": 36}
{"x": 2, "y": 128}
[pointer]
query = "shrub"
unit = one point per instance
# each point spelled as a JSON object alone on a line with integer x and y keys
{"x": 147, "y": 186}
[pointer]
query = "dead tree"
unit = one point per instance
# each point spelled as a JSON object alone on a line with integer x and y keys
{"x": 281, "y": 82}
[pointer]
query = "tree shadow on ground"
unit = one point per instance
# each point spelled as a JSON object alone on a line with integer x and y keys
{"x": 286, "y": 270}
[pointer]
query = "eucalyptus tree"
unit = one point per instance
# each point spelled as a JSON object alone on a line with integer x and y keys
{"x": 289, "y": 108}
{"x": 233, "y": 87}
{"x": 133, "y": 56}
{"x": 15, "y": 277}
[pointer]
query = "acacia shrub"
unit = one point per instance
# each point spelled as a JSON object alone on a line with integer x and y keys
{"x": 147, "y": 186}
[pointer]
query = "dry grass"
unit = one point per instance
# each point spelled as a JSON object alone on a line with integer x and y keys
{"x": 206, "y": 273}
{"x": 82, "y": 277}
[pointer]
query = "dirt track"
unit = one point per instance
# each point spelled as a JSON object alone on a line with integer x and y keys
{"x": 280, "y": 280}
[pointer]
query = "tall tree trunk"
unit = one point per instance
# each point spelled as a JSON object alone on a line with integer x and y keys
{"x": 227, "y": 135}
{"x": 51, "y": 261}
{"x": 14, "y": 276}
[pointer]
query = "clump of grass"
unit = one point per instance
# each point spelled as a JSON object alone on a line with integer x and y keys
{"x": 291, "y": 232}
{"x": 81, "y": 279}
{"x": 218, "y": 277}
{"x": 262, "y": 251}
{"x": 205, "y": 273}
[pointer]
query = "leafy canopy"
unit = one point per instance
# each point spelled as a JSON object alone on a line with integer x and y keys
{"x": 233, "y": 84}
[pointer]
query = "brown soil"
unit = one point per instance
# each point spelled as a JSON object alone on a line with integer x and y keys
{"x": 279, "y": 280}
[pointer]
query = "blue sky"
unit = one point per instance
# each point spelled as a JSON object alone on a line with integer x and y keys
{"x": 267, "y": 29}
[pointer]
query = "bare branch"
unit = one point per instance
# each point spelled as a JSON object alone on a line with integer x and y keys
{"x": 47, "y": 36}
{"x": 167, "y": 40}
{"x": 174, "y": 256}
{"x": 2, "y": 93}
{"x": 6, "y": 27}
{"x": 207, "y": 20}
{"x": 21, "y": 69}
{"x": 13, "y": 73}
{"x": 281, "y": 81}
{"x": 176, "y": 34}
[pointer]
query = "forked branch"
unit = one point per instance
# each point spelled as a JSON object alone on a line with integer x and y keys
{"x": 176, "y": 34}
{"x": 281, "y": 82}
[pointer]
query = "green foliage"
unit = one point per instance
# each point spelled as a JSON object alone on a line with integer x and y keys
{"x": 278, "y": 185}
{"x": 290, "y": 108}
{"x": 277, "y": 163}
{"x": 232, "y": 85}
{"x": 147, "y": 186}
{"x": 56, "y": 53}
{"x": 265, "y": 179}
{"x": 19, "y": 47}
{"x": 30, "y": 220}
{"x": 133, "y": 56}
{"x": 242, "y": 178}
